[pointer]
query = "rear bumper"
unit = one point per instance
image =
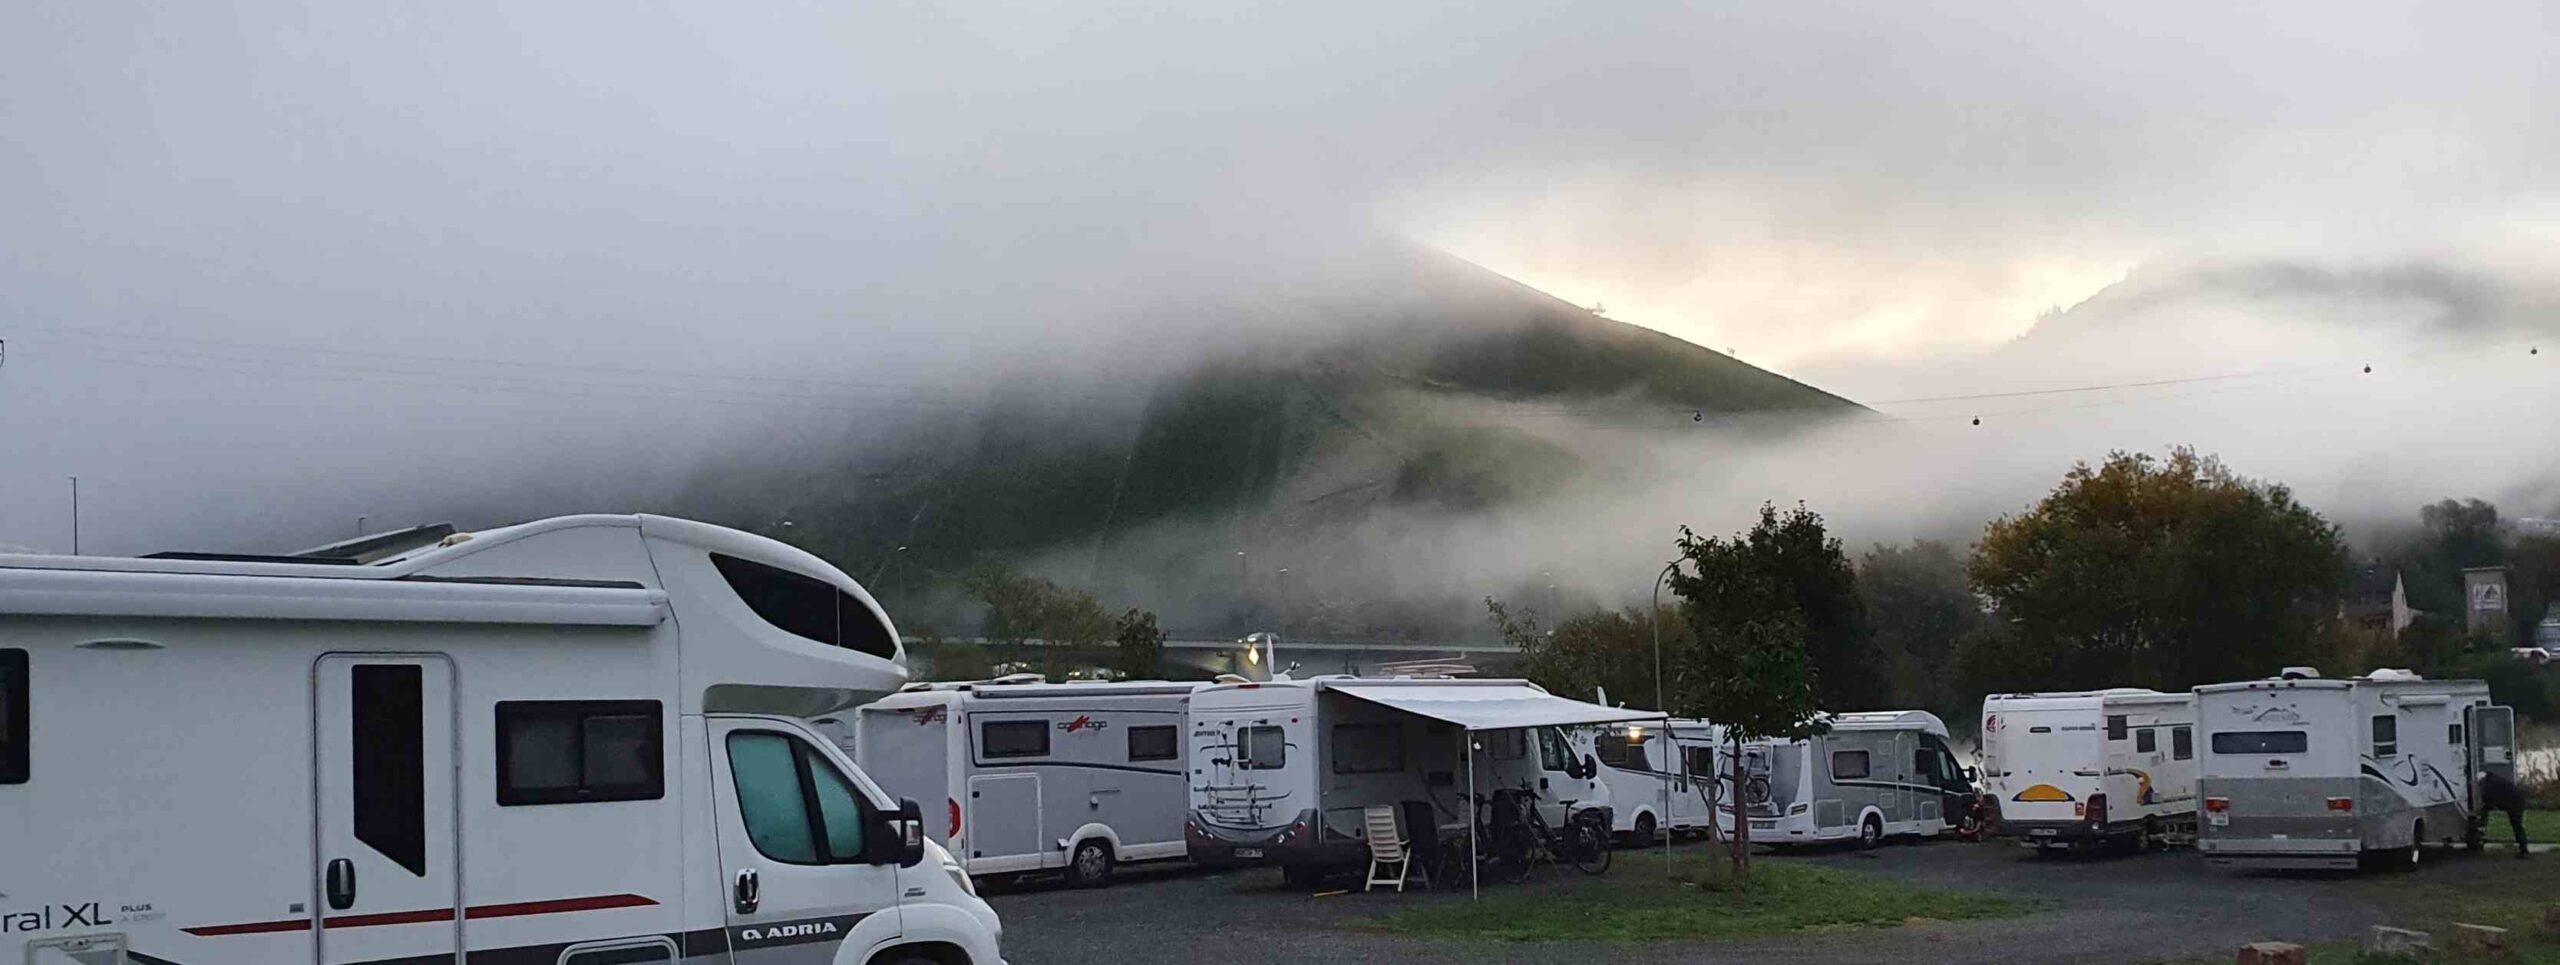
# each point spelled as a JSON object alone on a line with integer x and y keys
{"x": 2039, "y": 833}
{"x": 1292, "y": 843}
{"x": 2281, "y": 853}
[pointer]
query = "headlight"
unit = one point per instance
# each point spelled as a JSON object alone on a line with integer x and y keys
{"x": 959, "y": 877}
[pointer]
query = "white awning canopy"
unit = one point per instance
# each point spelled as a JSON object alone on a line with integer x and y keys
{"x": 1500, "y": 707}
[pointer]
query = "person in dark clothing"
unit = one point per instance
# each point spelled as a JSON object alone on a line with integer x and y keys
{"x": 2497, "y": 793}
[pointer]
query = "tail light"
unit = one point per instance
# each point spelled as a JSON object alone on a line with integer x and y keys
{"x": 2217, "y": 804}
{"x": 954, "y": 805}
{"x": 2342, "y": 804}
{"x": 2097, "y": 809}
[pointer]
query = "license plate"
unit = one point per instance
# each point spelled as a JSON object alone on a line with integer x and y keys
{"x": 2217, "y": 819}
{"x": 1248, "y": 852}
{"x": 1764, "y": 825}
{"x": 2043, "y": 832}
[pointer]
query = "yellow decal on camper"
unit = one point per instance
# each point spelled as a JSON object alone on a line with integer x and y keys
{"x": 2043, "y": 792}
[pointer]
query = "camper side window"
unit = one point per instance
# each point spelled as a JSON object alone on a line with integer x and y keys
{"x": 1368, "y": 748}
{"x": 2182, "y": 743}
{"x": 580, "y": 751}
{"x": 2115, "y": 727}
{"x": 2146, "y": 741}
{"x": 1506, "y": 745}
{"x": 2386, "y": 735}
{"x": 2452, "y": 733}
{"x": 805, "y": 606}
{"x": 1848, "y": 765}
{"x": 1262, "y": 748}
{"x": 1013, "y": 738}
{"x": 1152, "y": 744}
{"x": 14, "y": 740}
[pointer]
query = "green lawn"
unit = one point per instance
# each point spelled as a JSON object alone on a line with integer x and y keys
{"x": 1636, "y": 901}
{"x": 2541, "y": 827}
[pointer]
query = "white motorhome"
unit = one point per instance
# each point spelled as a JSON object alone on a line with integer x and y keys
{"x": 1076, "y": 777}
{"x": 1282, "y": 770}
{"x": 2087, "y": 768}
{"x": 1652, "y": 788}
{"x": 577, "y": 741}
{"x": 2301, "y": 771}
{"x": 1877, "y": 774}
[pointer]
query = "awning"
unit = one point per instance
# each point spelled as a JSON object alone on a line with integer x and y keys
{"x": 1497, "y": 707}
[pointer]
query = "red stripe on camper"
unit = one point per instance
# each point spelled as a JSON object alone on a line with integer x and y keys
{"x": 509, "y": 910}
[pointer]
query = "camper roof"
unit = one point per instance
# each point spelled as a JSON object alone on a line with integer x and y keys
{"x": 2396, "y": 680}
{"x": 2083, "y": 699}
{"x": 1890, "y": 720}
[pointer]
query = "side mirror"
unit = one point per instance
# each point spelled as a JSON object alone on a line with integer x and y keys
{"x": 895, "y": 837}
{"x": 910, "y": 833}
{"x": 1973, "y": 774}
{"x": 1590, "y": 768}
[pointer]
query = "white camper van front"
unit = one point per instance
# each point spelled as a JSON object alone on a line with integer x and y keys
{"x": 577, "y": 741}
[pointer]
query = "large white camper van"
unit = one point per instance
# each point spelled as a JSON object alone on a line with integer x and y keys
{"x": 2305, "y": 772}
{"x": 1877, "y": 774}
{"x": 1282, "y": 770}
{"x": 1076, "y": 777}
{"x": 1661, "y": 776}
{"x": 576, "y": 741}
{"x": 2091, "y": 767}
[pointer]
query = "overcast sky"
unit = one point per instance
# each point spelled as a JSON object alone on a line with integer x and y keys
{"x": 286, "y": 262}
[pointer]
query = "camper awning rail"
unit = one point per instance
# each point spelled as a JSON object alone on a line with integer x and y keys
{"x": 1497, "y": 707}
{"x": 205, "y": 596}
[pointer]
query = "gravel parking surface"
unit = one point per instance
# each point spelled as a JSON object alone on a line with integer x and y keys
{"x": 2127, "y": 909}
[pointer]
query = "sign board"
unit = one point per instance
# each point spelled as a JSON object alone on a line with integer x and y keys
{"x": 2485, "y": 589}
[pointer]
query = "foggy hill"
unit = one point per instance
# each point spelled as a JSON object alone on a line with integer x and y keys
{"x": 1443, "y": 391}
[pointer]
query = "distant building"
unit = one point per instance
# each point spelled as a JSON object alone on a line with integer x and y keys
{"x": 2536, "y": 526}
{"x": 2377, "y": 601}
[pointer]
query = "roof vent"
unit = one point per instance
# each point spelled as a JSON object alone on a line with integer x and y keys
{"x": 2393, "y": 673}
{"x": 1019, "y": 678}
{"x": 1228, "y": 678}
{"x": 2299, "y": 673}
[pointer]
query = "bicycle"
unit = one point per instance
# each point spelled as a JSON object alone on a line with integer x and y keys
{"x": 1583, "y": 841}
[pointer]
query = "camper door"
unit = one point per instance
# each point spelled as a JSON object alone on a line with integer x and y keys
{"x": 383, "y": 733}
{"x": 793, "y": 830}
{"x": 2492, "y": 743}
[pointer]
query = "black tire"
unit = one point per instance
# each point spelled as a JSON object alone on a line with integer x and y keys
{"x": 1647, "y": 833}
{"x": 1302, "y": 876}
{"x": 1871, "y": 833}
{"x": 2409, "y": 860}
{"x": 1090, "y": 865}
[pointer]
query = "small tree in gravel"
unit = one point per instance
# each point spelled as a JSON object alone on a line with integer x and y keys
{"x": 1744, "y": 663}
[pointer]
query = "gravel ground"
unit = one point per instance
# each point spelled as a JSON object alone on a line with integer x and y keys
{"x": 2127, "y": 909}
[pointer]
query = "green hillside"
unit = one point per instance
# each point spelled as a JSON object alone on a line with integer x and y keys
{"x": 1448, "y": 396}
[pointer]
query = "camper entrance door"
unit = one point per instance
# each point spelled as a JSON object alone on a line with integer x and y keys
{"x": 383, "y": 729}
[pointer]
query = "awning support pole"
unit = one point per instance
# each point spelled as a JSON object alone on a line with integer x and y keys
{"x": 1475, "y": 883}
{"x": 1676, "y": 763}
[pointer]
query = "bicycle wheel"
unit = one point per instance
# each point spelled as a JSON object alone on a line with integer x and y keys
{"x": 1590, "y": 845}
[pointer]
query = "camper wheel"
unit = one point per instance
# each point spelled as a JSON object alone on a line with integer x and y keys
{"x": 1645, "y": 830}
{"x": 2417, "y": 840}
{"x": 1871, "y": 832}
{"x": 1091, "y": 866}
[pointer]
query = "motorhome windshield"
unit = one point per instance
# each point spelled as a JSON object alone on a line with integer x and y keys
{"x": 2261, "y": 742}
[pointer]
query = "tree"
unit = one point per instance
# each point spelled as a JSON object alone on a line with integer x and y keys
{"x": 1139, "y": 645}
{"x": 1591, "y": 652}
{"x": 1919, "y": 605}
{"x": 1745, "y": 662}
{"x": 2154, "y": 572}
{"x": 1023, "y": 608}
